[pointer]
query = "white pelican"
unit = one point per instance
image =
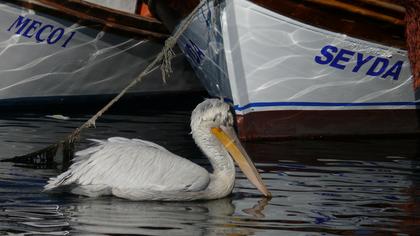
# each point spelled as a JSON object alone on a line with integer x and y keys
{"x": 140, "y": 170}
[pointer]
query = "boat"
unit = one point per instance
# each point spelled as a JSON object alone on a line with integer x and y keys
{"x": 304, "y": 68}
{"x": 53, "y": 52}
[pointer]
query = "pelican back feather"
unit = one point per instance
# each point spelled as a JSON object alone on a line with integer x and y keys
{"x": 121, "y": 164}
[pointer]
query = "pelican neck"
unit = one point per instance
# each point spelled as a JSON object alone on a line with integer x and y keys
{"x": 218, "y": 156}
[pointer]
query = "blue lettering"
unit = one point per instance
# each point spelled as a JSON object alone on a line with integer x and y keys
{"x": 373, "y": 71}
{"x": 29, "y": 28}
{"x": 51, "y": 39}
{"x": 68, "y": 40}
{"x": 19, "y": 23}
{"x": 189, "y": 51}
{"x": 32, "y": 27}
{"x": 194, "y": 52}
{"x": 360, "y": 61}
{"x": 395, "y": 71}
{"x": 328, "y": 56}
{"x": 341, "y": 56}
{"x": 198, "y": 51}
{"x": 40, "y": 31}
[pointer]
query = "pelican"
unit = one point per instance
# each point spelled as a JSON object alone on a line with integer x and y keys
{"x": 140, "y": 170}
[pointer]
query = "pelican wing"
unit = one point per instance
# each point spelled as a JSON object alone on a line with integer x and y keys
{"x": 132, "y": 164}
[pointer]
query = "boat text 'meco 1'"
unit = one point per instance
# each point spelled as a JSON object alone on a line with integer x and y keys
{"x": 40, "y": 32}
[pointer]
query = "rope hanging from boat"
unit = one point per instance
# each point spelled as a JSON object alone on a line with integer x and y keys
{"x": 66, "y": 146}
{"x": 168, "y": 55}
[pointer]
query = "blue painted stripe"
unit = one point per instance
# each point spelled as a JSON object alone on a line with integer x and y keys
{"x": 228, "y": 100}
{"x": 323, "y": 104}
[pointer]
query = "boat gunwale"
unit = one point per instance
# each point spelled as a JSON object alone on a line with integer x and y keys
{"x": 134, "y": 27}
{"x": 358, "y": 22}
{"x": 378, "y": 21}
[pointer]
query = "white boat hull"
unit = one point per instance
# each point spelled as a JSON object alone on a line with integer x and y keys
{"x": 43, "y": 56}
{"x": 273, "y": 68}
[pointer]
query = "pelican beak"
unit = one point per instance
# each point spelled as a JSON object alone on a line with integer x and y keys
{"x": 227, "y": 137}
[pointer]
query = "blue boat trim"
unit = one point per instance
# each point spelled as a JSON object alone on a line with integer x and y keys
{"x": 323, "y": 104}
{"x": 228, "y": 100}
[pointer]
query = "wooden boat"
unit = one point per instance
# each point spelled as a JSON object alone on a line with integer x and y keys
{"x": 53, "y": 51}
{"x": 297, "y": 68}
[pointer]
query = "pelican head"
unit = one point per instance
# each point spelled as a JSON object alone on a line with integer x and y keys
{"x": 211, "y": 112}
{"x": 213, "y": 117}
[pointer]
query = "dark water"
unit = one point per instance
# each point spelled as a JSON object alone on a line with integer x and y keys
{"x": 324, "y": 187}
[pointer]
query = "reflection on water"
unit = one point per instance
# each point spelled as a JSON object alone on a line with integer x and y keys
{"x": 151, "y": 218}
{"x": 326, "y": 187}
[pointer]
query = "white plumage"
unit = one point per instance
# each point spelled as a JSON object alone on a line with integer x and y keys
{"x": 141, "y": 170}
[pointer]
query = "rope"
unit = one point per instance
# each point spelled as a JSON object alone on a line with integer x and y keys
{"x": 164, "y": 57}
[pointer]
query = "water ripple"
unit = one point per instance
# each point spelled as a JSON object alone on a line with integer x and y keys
{"x": 353, "y": 187}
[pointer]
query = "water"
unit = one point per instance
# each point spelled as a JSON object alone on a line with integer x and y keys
{"x": 324, "y": 187}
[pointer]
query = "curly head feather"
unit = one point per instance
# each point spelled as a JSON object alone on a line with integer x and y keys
{"x": 212, "y": 112}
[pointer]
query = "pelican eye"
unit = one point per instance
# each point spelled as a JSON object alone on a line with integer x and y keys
{"x": 216, "y": 117}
